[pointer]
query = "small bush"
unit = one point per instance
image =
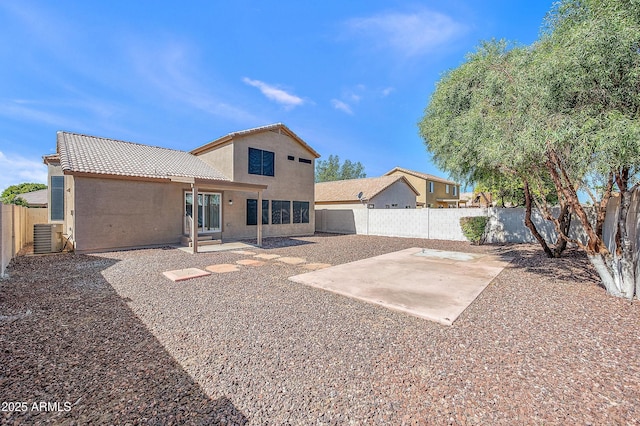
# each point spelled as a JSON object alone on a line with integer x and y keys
{"x": 473, "y": 227}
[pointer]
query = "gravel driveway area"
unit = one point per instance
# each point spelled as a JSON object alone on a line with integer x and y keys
{"x": 107, "y": 339}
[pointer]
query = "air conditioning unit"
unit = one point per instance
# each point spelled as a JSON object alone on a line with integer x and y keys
{"x": 47, "y": 238}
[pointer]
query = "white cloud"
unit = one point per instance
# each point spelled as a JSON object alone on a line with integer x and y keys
{"x": 387, "y": 91}
{"x": 17, "y": 169}
{"x": 411, "y": 34}
{"x": 275, "y": 94}
{"x": 341, "y": 106}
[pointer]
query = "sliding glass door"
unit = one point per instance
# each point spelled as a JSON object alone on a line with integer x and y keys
{"x": 209, "y": 211}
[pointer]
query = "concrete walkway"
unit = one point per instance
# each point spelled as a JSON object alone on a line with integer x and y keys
{"x": 431, "y": 284}
{"x": 218, "y": 247}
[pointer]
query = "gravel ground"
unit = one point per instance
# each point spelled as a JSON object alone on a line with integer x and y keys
{"x": 111, "y": 341}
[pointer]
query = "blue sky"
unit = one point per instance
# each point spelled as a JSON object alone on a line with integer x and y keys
{"x": 350, "y": 78}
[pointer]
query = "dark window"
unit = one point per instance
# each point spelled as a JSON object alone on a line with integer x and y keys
{"x": 290, "y": 157}
{"x": 280, "y": 212}
{"x": 57, "y": 197}
{"x": 300, "y": 212}
{"x": 265, "y": 212}
{"x": 261, "y": 162}
{"x": 252, "y": 212}
{"x": 304, "y": 160}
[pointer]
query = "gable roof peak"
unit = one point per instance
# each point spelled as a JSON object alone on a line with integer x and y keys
{"x": 269, "y": 127}
{"x": 420, "y": 175}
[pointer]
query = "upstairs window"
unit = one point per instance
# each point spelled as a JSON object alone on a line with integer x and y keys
{"x": 431, "y": 187}
{"x": 304, "y": 160}
{"x": 455, "y": 190}
{"x": 261, "y": 162}
{"x": 446, "y": 189}
{"x": 57, "y": 197}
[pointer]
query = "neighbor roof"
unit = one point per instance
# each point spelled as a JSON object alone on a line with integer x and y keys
{"x": 421, "y": 175}
{"x": 271, "y": 127}
{"x": 90, "y": 154}
{"x": 36, "y": 198}
{"x": 348, "y": 190}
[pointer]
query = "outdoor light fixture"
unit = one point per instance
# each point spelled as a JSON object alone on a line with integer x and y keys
{"x": 230, "y": 202}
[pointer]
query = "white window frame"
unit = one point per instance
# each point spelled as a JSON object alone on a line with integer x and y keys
{"x": 201, "y": 230}
{"x": 446, "y": 188}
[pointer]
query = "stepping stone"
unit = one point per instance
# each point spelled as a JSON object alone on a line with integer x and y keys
{"x": 222, "y": 268}
{"x": 250, "y": 262}
{"x": 185, "y": 274}
{"x": 267, "y": 256}
{"x": 244, "y": 252}
{"x": 292, "y": 260}
{"x": 316, "y": 266}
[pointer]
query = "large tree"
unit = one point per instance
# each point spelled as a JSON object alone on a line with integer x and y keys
{"x": 566, "y": 108}
{"x": 331, "y": 169}
{"x": 587, "y": 66}
{"x": 474, "y": 124}
{"x": 11, "y": 195}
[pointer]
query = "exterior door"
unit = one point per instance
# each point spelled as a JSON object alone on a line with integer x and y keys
{"x": 209, "y": 212}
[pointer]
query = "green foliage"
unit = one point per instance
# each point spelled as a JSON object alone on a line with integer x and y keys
{"x": 473, "y": 227}
{"x": 331, "y": 169}
{"x": 11, "y": 194}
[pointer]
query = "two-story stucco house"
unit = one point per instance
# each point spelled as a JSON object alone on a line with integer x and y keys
{"x": 433, "y": 191}
{"x": 110, "y": 194}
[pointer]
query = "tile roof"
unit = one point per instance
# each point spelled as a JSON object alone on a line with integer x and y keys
{"x": 421, "y": 175}
{"x": 270, "y": 127}
{"x": 347, "y": 190}
{"x": 36, "y": 198}
{"x": 90, "y": 154}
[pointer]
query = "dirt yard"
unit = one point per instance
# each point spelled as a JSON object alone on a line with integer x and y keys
{"x": 107, "y": 339}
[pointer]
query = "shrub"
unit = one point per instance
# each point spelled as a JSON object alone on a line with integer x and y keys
{"x": 473, "y": 227}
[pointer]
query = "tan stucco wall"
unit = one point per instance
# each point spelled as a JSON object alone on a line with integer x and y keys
{"x": 68, "y": 224}
{"x": 422, "y": 186}
{"x": 398, "y": 193}
{"x": 221, "y": 158}
{"x": 113, "y": 213}
{"x": 293, "y": 181}
{"x": 419, "y": 184}
{"x": 439, "y": 191}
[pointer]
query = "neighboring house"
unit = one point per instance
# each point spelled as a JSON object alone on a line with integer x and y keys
{"x": 433, "y": 191}
{"x": 37, "y": 199}
{"x": 385, "y": 192}
{"x": 477, "y": 199}
{"x": 111, "y": 194}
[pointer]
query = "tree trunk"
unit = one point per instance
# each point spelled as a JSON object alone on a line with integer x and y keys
{"x": 615, "y": 269}
{"x": 529, "y": 223}
{"x": 624, "y": 248}
{"x": 564, "y": 223}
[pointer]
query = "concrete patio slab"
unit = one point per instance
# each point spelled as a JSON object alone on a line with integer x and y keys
{"x": 250, "y": 262}
{"x": 432, "y": 284}
{"x": 185, "y": 274}
{"x": 291, "y": 260}
{"x": 218, "y": 247}
{"x": 222, "y": 268}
